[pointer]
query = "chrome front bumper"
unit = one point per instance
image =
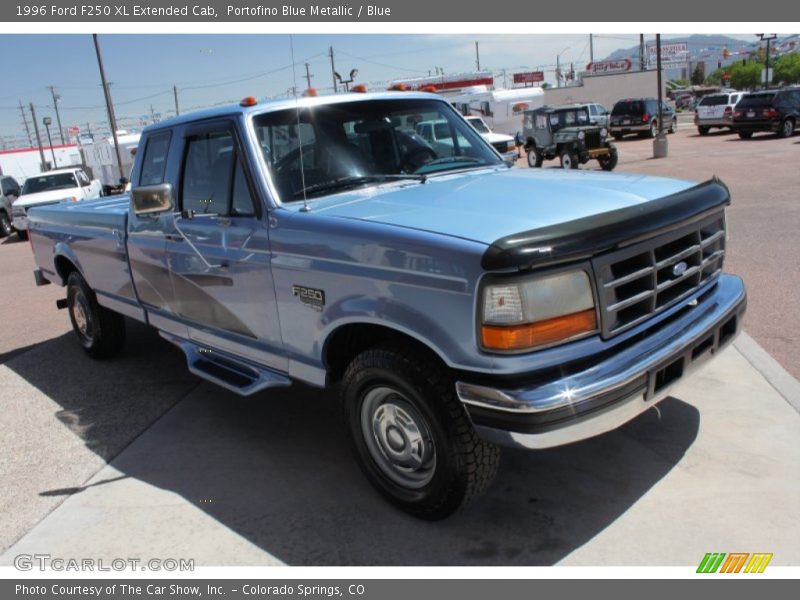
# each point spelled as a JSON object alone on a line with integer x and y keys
{"x": 600, "y": 396}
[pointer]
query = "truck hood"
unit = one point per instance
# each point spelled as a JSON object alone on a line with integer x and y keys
{"x": 49, "y": 196}
{"x": 489, "y": 204}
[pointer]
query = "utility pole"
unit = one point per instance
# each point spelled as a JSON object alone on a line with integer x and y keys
{"x": 38, "y": 137}
{"x": 152, "y": 114}
{"x": 558, "y": 70}
{"x": 56, "y": 98}
{"x": 175, "y": 92}
{"x": 112, "y": 120}
{"x": 767, "y": 38}
{"x": 308, "y": 77}
{"x": 333, "y": 71}
{"x": 660, "y": 145}
{"x": 505, "y": 83}
{"x": 641, "y": 52}
{"x": 477, "y": 56}
{"x": 88, "y": 128}
{"x": 25, "y": 122}
{"x": 591, "y": 48}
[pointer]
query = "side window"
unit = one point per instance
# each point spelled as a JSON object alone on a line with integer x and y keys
{"x": 593, "y": 109}
{"x": 242, "y": 202}
{"x": 154, "y": 163}
{"x": 207, "y": 173}
{"x": 602, "y": 109}
{"x": 83, "y": 179}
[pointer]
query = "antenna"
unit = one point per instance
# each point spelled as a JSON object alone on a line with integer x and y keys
{"x": 299, "y": 134}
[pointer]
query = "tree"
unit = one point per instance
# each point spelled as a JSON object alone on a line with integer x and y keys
{"x": 698, "y": 75}
{"x": 746, "y": 76}
{"x": 787, "y": 68}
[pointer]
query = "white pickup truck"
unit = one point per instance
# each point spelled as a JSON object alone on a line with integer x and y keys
{"x": 52, "y": 187}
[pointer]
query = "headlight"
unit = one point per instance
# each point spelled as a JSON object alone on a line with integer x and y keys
{"x": 581, "y": 135}
{"x": 537, "y": 312}
{"x": 604, "y": 132}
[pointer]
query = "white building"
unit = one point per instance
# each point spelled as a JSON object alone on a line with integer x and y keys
{"x": 21, "y": 163}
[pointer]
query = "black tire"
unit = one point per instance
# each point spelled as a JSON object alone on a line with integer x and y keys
{"x": 609, "y": 161}
{"x": 453, "y": 465}
{"x": 703, "y": 130}
{"x": 100, "y": 332}
{"x": 653, "y": 131}
{"x": 745, "y": 135}
{"x": 787, "y": 129}
{"x": 569, "y": 160}
{"x": 535, "y": 158}
{"x": 6, "y": 228}
{"x": 673, "y": 126}
{"x": 22, "y": 234}
{"x": 617, "y": 136}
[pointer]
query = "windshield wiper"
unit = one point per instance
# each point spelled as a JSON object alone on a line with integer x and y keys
{"x": 454, "y": 159}
{"x": 358, "y": 180}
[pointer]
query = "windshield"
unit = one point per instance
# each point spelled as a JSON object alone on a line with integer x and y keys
{"x": 46, "y": 183}
{"x": 568, "y": 118}
{"x": 352, "y": 144}
{"x": 479, "y": 125}
{"x": 755, "y": 101}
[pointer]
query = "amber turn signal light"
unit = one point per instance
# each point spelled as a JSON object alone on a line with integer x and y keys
{"x": 530, "y": 335}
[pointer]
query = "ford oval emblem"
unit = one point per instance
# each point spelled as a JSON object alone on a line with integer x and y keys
{"x": 679, "y": 269}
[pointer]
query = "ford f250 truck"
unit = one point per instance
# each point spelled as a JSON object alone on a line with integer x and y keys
{"x": 458, "y": 304}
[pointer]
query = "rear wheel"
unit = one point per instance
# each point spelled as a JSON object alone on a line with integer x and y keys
{"x": 745, "y": 135}
{"x": 22, "y": 234}
{"x": 101, "y": 332}
{"x": 703, "y": 130}
{"x": 411, "y": 434}
{"x": 787, "y": 129}
{"x": 5, "y": 225}
{"x": 535, "y": 158}
{"x": 569, "y": 160}
{"x": 609, "y": 161}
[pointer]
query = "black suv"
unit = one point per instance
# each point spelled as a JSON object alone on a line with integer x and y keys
{"x": 775, "y": 110}
{"x": 640, "y": 115}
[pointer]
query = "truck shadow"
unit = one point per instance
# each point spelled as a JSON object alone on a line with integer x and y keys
{"x": 276, "y": 468}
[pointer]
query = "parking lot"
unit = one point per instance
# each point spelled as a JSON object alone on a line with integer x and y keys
{"x": 136, "y": 457}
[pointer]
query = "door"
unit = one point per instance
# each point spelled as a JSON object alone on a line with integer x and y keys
{"x": 218, "y": 250}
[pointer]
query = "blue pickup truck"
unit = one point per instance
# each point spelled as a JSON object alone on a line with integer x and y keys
{"x": 459, "y": 304}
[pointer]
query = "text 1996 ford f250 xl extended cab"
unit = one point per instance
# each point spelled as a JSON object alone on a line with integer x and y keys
{"x": 459, "y": 304}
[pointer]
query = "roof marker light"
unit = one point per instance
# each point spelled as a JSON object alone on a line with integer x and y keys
{"x": 248, "y": 101}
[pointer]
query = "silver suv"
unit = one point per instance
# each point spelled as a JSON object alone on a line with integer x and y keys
{"x": 716, "y": 110}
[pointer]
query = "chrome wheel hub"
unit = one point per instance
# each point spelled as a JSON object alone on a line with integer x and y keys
{"x": 398, "y": 438}
{"x": 80, "y": 313}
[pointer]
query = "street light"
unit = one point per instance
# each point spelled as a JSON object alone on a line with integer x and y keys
{"x": 47, "y": 121}
{"x": 346, "y": 82}
{"x": 767, "y": 38}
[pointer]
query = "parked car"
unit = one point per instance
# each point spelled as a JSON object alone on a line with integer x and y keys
{"x": 501, "y": 142}
{"x": 640, "y": 115}
{"x": 598, "y": 114}
{"x": 52, "y": 187}
{"x": 777, "y": 111}
{"x": 566, "y": 133}
{"x": 716, "y": 110}
{"x": 455, "y": 303}
{"x": 9, "y": 192}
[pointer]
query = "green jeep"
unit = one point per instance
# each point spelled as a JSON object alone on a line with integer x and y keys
{"x": 565, "y": 132}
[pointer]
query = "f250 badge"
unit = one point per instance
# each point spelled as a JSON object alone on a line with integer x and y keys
{"x": 309, "y": 296}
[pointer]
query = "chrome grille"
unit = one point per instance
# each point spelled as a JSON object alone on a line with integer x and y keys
{"x": 500, "y": 146}
{"x": 647, "y": 277}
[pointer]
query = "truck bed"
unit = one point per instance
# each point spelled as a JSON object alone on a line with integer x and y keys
{"x": 91, "y": 234}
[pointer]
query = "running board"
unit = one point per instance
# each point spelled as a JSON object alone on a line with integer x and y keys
{"x": 239, "y": 377}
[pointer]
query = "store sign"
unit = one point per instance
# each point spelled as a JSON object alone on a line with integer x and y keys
{"x": 609, "y": 66}
{"x": 671, "y": 55}
{"x": 529, "y": 77}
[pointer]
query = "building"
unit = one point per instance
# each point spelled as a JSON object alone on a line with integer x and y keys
{"x": 21, "y": 163}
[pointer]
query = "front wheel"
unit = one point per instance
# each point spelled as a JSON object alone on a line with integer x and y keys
{"x": 101, "y": 332}
{"x": 608, "y": 161}
{"x": 5, "y": 225}
{"x": 22, "y": 234}
{"x": 702, "y": 130}
{"x": 569, "y": 160}
{"x": 411, "y": 435}
{"x": 673, "y": 127}
{"x": 745, "y": 135}
{"x": 535, "y": 158}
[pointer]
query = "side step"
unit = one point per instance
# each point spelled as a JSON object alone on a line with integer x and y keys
{"x": 243, "y": 378}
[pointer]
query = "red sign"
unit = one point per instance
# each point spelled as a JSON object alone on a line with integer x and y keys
{"x": 73, "y": 130}
{"x": 529, "y": 77}
{"x": 609, "y": 66}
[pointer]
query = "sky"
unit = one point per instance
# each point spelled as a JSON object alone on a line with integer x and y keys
{"x": 217, "y": 69}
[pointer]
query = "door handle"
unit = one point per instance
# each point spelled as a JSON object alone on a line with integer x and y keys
{"x": 172, "y": 237}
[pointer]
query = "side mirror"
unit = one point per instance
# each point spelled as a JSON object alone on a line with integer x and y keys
{"x": 152, "y": 199}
